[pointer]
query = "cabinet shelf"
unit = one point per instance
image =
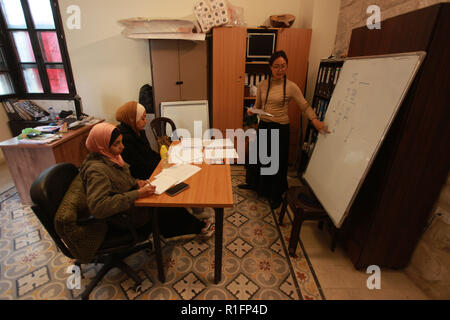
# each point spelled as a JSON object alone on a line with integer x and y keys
{"x": 329, "y": 71}
{"x": 257, "y": 62}
{"x": 250, "y": 98}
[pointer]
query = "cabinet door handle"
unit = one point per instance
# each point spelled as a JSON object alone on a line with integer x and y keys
{"x": 179, "y": 82}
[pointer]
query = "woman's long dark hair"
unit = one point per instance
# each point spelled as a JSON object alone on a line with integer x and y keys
{"x": 276, "y": 55}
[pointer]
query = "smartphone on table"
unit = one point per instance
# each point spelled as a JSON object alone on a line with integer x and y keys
{"x": 176, "y": 189}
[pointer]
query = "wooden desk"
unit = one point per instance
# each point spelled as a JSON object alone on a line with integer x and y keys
{"x": 27, "y": 161}
{"x": 210, "y": 187}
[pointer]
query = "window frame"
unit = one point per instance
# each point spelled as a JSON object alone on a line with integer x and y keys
{"x": 14, "y": 66}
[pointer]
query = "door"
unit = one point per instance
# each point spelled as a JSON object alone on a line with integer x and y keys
{"x": 228, "y": 77}
{"x": 296, "y": 43}
{"x": 193, "y": 70}
{"x": 165, "y": 71}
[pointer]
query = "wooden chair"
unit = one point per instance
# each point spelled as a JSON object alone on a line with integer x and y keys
{"x": 159, "y": 129}
{"x": 305, "y": 206}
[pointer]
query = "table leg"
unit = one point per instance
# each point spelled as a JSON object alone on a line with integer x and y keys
{"x": 157, "y": 243}
{"x": 218, "y": 245}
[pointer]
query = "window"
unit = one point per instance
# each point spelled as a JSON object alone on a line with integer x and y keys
{"x": 33, "y": 55}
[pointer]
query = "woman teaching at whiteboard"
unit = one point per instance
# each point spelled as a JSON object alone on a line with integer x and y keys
{"x": 273, "y": 97}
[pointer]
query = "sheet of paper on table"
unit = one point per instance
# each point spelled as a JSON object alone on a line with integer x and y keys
{"x": 178, "y": 155}
{"x": 42, "y": 139}
{"x": 217, "y": 143}
{"x": 191, "y": 143}
{"x": 220, "y": 154}
{"x": 173, "y": 175}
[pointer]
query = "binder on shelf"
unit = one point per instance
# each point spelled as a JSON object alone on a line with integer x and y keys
{"x": 327, "y": 77}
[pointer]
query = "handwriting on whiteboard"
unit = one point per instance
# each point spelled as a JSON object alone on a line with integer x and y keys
{"x": 345, "y": 106}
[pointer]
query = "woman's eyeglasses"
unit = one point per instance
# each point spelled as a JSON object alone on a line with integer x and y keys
{"x": 279, "y": 66}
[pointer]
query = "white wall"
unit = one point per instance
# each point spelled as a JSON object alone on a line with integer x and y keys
{"x": 324, "y": 25}
{"x": 109, "y": 69}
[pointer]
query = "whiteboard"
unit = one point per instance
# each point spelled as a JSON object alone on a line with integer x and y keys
{"x": 363, "y": 105}
{"x": 184, "y": 113}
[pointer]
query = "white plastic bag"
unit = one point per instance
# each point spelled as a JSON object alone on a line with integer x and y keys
{"x": 235, "y": 15}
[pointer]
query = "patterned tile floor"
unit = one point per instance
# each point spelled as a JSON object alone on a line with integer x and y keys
{"x": 255, "y": 261}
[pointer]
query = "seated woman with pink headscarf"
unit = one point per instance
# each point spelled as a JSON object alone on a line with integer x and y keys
{"x": 111, "y": 189}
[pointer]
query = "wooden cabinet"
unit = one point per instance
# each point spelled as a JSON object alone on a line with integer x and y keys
{"x": 26, "y": 161}
{"x": 179, "y": 71}
{"x": 400, "y": 191}
{"x": 229, "y": 67}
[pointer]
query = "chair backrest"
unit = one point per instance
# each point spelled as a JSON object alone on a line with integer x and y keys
{"x": 159, "y": 126}
{"x": 47, "y": 192}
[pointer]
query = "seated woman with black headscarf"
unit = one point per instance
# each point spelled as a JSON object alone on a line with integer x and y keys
{"x": 137, "y": 153}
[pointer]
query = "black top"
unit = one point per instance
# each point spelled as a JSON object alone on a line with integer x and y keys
{"x": 138, "y": 153}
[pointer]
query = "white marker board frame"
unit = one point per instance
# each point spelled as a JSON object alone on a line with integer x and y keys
{"x": 364, "y": 103}
{"x": 184, "y": 113}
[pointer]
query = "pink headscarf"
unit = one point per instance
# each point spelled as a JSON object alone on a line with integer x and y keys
{"x": 98, "y": 141}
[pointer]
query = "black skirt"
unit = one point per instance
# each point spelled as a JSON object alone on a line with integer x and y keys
{"x": 271, "y": 186}
{"x": 172, "y": 221}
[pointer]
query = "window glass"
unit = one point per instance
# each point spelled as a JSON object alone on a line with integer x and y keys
{"x": 57, "y": 79}
{"x": 23, "y": 46}
{"x": 5, "y": 84}
{"x": 12, "y": 10}
{"x": 33, "y": 56}
{"x": 32, "y": 80}
{"x": 41, "y": 11}
{"x": 50, "y": 46}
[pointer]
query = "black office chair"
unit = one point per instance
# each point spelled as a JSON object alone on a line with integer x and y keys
{"x": 159, "y": 129}
{"x": 47, "y": 193}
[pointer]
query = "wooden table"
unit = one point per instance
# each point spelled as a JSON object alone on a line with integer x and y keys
{"x": 210, "y": 187}
{"x": 27, "y": 161}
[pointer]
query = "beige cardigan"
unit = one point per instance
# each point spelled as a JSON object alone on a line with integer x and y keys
{"x": 275, "y": 105}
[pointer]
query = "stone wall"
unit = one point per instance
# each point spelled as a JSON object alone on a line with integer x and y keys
{"x": 353, "y": 15}
{"x": 430, "y": 264}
